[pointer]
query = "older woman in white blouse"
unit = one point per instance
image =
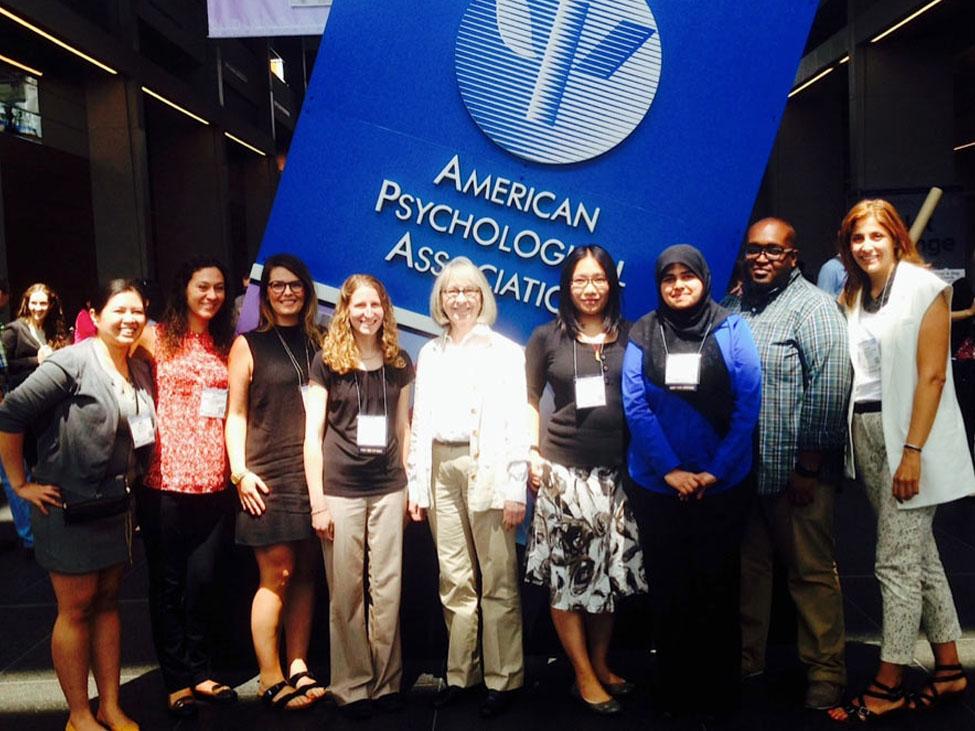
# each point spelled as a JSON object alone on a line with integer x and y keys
{"x": 468, "y": 465}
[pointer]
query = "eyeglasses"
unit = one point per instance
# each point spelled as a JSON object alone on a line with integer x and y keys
{"x": 773, "y": 252}
{"x": 454, "y": 292}
{"x": 580, "y": 283}
{"x": 278, "y": 287}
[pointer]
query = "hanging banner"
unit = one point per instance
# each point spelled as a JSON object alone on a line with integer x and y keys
{"x": 511, "y": 131}
{"x": 242, "y": 18}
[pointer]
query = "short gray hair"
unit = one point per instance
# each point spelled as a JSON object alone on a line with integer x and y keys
{"x": 464, "y": 269}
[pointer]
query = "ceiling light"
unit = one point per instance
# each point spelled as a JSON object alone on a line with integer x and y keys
{"x": 174, "y": 105}
{"x": 844, "y": 59}
{"x": 906, "y": 20}
{"x": 21, "y": 66}
{"x": 56, "y": 41}
{"x": 965, "y": 146}
{"x": 244, "y": 144}
{"x": 811, "y": 81}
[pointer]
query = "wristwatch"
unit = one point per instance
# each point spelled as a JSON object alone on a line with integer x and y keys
{"x": 236, "y": 477}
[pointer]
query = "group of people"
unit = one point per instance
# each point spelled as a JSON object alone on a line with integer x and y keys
{"x": 682, "y": 452}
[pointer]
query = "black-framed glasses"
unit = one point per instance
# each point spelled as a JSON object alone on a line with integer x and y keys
{"x": 773, "y": 252}
{"x": 278, "y": 287}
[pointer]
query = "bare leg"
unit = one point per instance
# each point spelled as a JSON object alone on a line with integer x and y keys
{"x": 571, "y": 629}
{"x": 106, "y": 651}
{"x": 276, "y": 566}
{"x": 71, "y": 643}
{"x": 599, "y": 632}
{"x": 298, "y": 610}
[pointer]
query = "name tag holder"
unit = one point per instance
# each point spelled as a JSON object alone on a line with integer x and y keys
{"x": 371, "y": 434}
{"x": 302, "y": 377}
{"x": 142, "y": 429}
{"x": 590, "y": 391}
{"x": 213, "y": 403}
{"x": 682, "y": 371}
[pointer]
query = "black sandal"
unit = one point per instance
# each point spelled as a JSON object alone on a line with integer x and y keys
{"x": 275, "y": 702}
{"x": 303, "y": 689}
{"x": 182, "y": 707}
{"x": 929, "y": 697}
{"x": 221, "y": 694}
{"x": 858, "y": 712}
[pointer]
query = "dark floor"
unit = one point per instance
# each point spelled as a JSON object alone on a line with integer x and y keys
{"x": 30, "y": 697}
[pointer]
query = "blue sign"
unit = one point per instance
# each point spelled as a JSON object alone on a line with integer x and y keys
{"x": 510, "y": 131}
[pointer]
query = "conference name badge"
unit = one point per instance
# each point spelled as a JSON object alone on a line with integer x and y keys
{"x": 683, "y": 371}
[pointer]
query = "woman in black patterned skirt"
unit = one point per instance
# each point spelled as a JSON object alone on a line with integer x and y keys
{"x": 584, "y": 545}
{"x": 265, "y": 438}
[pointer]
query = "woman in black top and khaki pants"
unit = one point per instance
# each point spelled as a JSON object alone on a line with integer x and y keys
{"x": 357, "y": 429}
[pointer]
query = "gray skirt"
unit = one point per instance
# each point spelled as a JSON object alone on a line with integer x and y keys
{"x": 83, "y": 548}
{"x": 584, "y": 544}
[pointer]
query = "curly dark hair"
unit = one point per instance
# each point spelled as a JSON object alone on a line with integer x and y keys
{"x": 175, "y": 320}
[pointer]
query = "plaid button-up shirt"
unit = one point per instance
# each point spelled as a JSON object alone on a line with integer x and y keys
{"x": 802, "y": 343}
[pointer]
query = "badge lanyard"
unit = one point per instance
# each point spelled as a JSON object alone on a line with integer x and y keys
{"x": 294, "y": 362}
{"x": 141, "y": 426}
{"x": 590, "y": 390}
{"x": 371, "y": 430}
{"x": 683, "y": 370}
{"x": 869, "y": 344}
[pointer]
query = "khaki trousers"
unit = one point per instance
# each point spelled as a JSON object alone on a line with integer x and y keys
{"x": 366, "y": 658}
{"x": 803, "y": 537}
{"x": 466, "y": 539}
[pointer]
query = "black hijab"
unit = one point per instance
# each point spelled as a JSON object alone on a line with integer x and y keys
{"x": 695, "y": 321}
{"x": 685, "y": 331}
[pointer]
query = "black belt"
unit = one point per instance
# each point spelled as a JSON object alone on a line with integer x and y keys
{"x": 866, "y": 407}
{"x": 461, "y": 443}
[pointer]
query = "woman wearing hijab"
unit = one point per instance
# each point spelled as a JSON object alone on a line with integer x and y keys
{"x": 691, "y": 394}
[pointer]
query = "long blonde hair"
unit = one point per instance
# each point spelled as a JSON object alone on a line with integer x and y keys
{"x": 339, "y": 349}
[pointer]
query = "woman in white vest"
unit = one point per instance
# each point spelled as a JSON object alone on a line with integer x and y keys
{"x": 907, "y": 444}
{"x": 468, "y": 464}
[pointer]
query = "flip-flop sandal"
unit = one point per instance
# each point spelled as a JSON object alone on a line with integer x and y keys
{"x": 303, "y": 689}
{"x": 276, "y": 700}
{"x": 221, "y": 694}
{"x": 182, "y": 707}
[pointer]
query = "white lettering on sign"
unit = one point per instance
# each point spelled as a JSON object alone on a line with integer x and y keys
{"x": 486, "y": 232}
{"x": 513, "y": 194}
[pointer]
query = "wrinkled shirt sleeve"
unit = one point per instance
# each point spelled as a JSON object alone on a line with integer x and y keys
{"x": 827, "y": 373}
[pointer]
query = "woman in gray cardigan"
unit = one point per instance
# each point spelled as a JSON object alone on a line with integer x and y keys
{"x": 91, "y": 410}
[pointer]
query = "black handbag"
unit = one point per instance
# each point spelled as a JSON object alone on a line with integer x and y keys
{"x": 112, "y": 497}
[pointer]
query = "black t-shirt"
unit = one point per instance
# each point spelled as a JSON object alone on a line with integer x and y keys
{"x": 588, "y": 437}
{"x": 347, "y": 471}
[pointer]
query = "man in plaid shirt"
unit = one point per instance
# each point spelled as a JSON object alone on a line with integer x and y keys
{"x": 801, "y": 338}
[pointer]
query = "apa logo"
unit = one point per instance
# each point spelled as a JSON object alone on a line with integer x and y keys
{"x": 558, "y": 81}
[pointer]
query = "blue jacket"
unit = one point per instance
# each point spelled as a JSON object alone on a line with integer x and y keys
{"x": 668, "y": 433}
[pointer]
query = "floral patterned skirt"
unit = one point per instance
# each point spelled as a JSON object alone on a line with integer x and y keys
{"x": 584, "y": 544}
